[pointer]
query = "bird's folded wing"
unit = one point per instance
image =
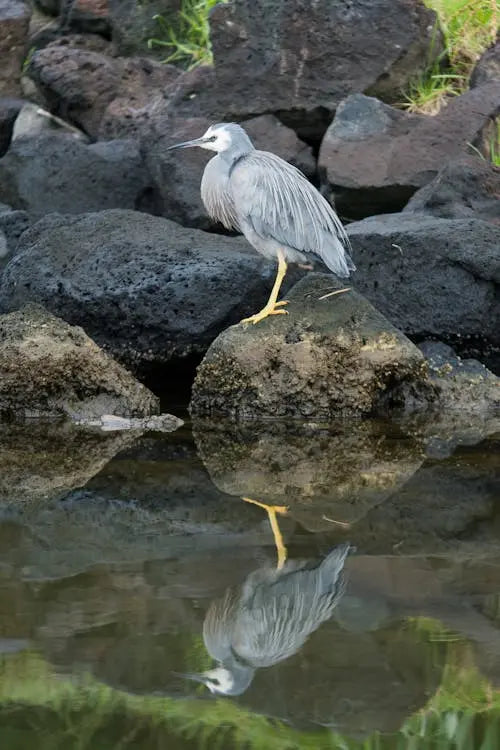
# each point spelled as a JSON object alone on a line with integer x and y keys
{"x": 280, "y": 204}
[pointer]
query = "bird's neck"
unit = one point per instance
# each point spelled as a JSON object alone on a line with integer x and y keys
{"x": 231, "y": 156}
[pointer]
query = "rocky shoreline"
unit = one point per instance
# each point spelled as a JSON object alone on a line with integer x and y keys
{"x": 103, "y": 228}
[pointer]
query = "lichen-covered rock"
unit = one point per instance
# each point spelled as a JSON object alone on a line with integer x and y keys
{"x": 332, "y": 355}
{"x": 49, "y": 368}
{"x": 375, "y": 156}
{"x": 14, "y": 23}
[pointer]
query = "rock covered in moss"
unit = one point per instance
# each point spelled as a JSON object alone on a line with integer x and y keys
{"x": 334, "y": 354}
{"x": 49, "y": 368}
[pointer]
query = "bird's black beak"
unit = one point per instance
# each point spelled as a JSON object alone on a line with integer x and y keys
{"x": 192, "y": 676}
{"x": 187, "y": 144}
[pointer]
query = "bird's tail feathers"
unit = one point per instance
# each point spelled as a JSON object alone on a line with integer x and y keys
{"x": 336, "y": 255}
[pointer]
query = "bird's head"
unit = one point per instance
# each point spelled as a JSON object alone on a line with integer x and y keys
{"x": 222, "y": 681}
{"x": 225, "y": 136}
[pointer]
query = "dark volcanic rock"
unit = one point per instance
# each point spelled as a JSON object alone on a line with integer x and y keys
{"x": 329, "y": 357}
{"x": 431, "y": 276}
{"x": 302, "y": 58}
{"x": 487, "y": 69}
{"x": 107, "y": 97}
{"x": 466, "y": 188}
{"x": 375, "y": 156}
{"x": 12, "y": 225}
{"x": 147, "y": 288}
{"x": 56, "y": 173}
{"x": 14, "y": 23}
{"x": 48, "y": 368}
{"x": 177, "y": 174}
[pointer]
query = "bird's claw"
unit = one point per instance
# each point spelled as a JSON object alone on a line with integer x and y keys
{"x": 267, "y": 311}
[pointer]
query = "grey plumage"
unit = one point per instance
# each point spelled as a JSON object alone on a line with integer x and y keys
{"x": 271, "y": 202}
{"x": 269, "y": 618}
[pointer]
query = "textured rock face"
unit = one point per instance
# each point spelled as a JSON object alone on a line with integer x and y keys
{"x": 56, "y": 173}
{"x": 133, "y": 23}
{"x": 487, "y": 69}
{"x": 14, "y": 23}
{"x": 466, "y": 188}
{"x": 49, "y": 368}
{"x": 107, "y": 97}
{"x": 9, "y": 110}
{"x": 431, "y": 276}
{"x": 146, "y": 288}
{"x": 328, "y": 357}
{"x": 301, "y": 57}
{"x": 177, "y": 174}
{"x": 375, "y": 157}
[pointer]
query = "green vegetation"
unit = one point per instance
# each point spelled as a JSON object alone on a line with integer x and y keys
{"x": 188, "y": 42}
{"x": 468, "y": 27}
{"x": 39, "y": 706}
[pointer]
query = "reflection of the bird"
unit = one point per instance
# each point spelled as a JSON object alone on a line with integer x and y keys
{"x": 268, "y": 618}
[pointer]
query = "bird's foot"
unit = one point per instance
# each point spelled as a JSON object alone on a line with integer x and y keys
{"x": 269, "y": 309}
{"x": 280, "y": 509}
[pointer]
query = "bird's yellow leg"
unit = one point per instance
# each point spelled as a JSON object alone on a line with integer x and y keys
{"x": 271, "y": 511}
{"x": 272, "y": 307}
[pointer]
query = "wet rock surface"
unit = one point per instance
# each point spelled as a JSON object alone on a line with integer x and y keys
{"x": 375, "y": 156}
{"x": 331, "y": 355}
{"x": 164, "y": 291}
{"x": 431, "y": 276}
{"x": 49, "y": 368}
{"x": 56, "y": 173}
{"x": 465, "y": 188}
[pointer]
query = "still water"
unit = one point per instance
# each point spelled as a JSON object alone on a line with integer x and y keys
{"x": 117, "y": 549}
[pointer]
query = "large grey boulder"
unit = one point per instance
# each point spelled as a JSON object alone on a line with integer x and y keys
{"x": 431, "y": 276}
{"x": 48, "y": 368}
{"x": 133, "y": 24}
{"x": 375, "y": 157}
{"x": 300, "y": 59}
{"x": 144, "y": 287}
{"x": 57, "y": 173}
{"x": 332, "y": 355}
{"x": 177, "y": 174}
{"x": 468, "y": 187}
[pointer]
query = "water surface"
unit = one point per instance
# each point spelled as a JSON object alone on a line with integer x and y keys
{"x": 114, "y": 547}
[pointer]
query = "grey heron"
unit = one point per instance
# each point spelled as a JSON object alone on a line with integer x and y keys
{"x": 277, "y": 209}
{"x": 268, "y": 618}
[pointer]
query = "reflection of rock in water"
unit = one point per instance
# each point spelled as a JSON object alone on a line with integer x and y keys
{"x": 338, "y": 472}
{"x": 268, "y": 619}
{"x": 43, "y": 461}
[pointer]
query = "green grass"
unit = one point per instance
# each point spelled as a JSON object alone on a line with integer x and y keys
{"x": 188, "y": 43}
{"x": 56, "y": 711}
{"x": 468, "y": 27}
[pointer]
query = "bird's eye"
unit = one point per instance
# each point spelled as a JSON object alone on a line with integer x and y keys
{"x": 212, "y": 138}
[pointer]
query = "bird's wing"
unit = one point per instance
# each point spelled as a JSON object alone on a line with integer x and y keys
{"x": 216, "y": 193}
{"x": 281, "y": 204}
{"x": 284, "y": 610}
{"x": 219, "y": 624}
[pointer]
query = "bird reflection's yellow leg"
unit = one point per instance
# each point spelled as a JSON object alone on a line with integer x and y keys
{"x": 271, "y": 511}
{"x": 272, "y": 307}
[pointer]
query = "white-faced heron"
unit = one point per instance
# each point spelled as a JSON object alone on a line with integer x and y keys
{"x": 277, "y": 209}
{"x": 268, "y": 618}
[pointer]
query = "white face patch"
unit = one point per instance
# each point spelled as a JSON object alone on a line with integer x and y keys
{"x": 219, "y": 680}
{"x": 222, "y": 139}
